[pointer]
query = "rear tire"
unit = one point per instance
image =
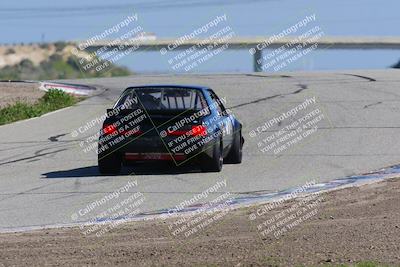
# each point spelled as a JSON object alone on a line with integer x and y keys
{"x": 215, "y": 163}
{"x": 235, "y": 154}
{"x": 110, "y": 164}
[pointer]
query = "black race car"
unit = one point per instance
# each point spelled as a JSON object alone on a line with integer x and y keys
{"x": 169, "y": 122}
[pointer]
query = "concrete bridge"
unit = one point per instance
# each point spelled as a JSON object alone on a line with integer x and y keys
{"x": 247, "y": 43}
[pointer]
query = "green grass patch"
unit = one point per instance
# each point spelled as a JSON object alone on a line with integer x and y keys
{"x": 52, "y": 100}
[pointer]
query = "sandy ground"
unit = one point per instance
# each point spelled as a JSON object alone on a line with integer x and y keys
{"x": 350, "y": 225}
{"x": 11, "y": 92}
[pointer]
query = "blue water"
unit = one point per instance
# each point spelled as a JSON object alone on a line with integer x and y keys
{"x": 45, "y": 20}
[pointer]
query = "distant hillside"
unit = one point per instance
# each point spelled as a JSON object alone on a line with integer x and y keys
{"x": 46, "y": 62}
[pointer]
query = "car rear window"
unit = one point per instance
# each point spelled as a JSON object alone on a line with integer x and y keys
{"x": 163, "y": 99}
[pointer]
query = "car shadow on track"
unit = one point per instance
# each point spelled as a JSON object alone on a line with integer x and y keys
{"x": 135, "y": 169}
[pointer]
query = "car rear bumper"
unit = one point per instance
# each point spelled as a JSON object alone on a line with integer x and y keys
{"x": 149, "y": 147}
{"x": 154, "y": 156}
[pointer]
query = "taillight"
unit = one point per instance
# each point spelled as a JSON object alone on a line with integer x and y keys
{"x": 177, "y": 133}
{"x": 109, "y": 129}
{"x": 199, "y": 130}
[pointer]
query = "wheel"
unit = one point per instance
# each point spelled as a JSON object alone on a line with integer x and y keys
{"x": 110, "y": 164}
{"x": 215, "y": 163}
{"x": 235, "y": 154}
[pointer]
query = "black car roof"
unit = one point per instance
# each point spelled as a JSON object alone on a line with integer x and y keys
{"x": 196, "y": 87}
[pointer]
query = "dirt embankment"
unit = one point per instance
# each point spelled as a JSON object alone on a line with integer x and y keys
{"x": 350, "y": 225}
{"x": 11, "y": 55}
{"x": 25, "y": 92}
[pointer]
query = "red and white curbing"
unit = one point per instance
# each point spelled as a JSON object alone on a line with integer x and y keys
{"x": 73, "y": 89}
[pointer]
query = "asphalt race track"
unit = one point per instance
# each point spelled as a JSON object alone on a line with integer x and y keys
{"x": 46, "y": 177}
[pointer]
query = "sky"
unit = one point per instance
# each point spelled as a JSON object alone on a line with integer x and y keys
{"x": 45, "y": 20}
